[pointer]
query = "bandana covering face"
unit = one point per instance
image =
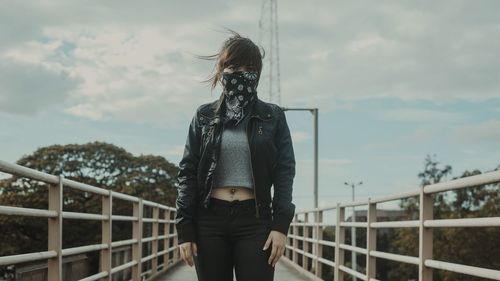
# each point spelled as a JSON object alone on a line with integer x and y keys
{"x": 240, "y": 90}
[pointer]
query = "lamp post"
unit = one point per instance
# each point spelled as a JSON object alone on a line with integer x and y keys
{"x": 353, "y": 229}
{"x": 314, "y": 112}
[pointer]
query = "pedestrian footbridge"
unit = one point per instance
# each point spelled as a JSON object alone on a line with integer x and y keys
{"x": 309, "y": 255}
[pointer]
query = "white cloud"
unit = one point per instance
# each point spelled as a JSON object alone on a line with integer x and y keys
{"x": 327, "y": 163}
{"x": 175, "y": 151}
{"x": 372, "y": 44}
{"x": 487, "y": 131}
{"x": 417, "y": 135}
{"x": 419, "y": 115}
{"x": 299, "y": 136}
{"x": 32, "y": 52}
{"x": 139, "y": 67}
{"x": 26, "y": 88}
{"x": 403, "y": 50}
{"x": 136, "y": 76}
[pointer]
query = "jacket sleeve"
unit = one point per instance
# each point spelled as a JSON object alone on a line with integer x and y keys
{"x": 187, "y": 189}
{"x": 283, "y": 176}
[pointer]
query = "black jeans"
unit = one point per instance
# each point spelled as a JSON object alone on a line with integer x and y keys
{"x": 230, "y": 236}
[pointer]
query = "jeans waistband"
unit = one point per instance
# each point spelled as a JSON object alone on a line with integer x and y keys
{"x": 243, "y": 206}
{"x": 235, "y": 203}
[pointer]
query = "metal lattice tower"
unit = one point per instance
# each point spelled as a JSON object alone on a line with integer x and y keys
{"x": 269, "y": 83}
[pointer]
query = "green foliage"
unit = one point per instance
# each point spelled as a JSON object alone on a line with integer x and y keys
{"x": 98, "y": 164}
{"x": 469, "y": 246}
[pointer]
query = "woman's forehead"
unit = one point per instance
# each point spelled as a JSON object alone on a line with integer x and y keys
{"x": 240, "y": 61}
{"x": 248, "y": 66}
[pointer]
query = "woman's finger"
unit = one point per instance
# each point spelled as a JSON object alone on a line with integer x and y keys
{"x": 268, "y": 241}
{"x": 189, "y": 256}
{"x": 195, "y": 248}
{"x": 279, "y": 253}
{"x": 186, "y": 250}
{"x": 273, "y": 254}
{"x": 183, "y": 254}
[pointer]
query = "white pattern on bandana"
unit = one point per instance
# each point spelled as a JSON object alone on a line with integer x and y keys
{"x": 239, "y": 94}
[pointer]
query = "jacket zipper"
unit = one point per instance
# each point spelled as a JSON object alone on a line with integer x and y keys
{"x": 216, "y": 161}
{"x": 257, "y": 215}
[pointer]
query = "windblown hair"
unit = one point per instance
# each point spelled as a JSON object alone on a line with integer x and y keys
{"x": 235, "y": 51}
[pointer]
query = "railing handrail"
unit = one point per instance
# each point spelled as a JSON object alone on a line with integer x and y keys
{"x": 55, "y": 216}
{"x": 425, "y": 223}
{"x": 481, "y": 179}
{"x": 19, "y": 170}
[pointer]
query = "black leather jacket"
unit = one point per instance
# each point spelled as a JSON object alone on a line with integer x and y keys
{"x": 272, "y": 158}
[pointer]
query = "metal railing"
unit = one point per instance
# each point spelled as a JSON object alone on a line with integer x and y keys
{"x": 312, "y": 248}
{"x": 55, "y": 215}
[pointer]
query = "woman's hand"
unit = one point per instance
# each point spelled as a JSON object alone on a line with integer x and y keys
{"x": 278, "y": 240}
{"x": 187, "y": 250}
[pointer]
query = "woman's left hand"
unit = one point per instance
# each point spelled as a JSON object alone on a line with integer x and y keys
{"x": 278, "y": 241}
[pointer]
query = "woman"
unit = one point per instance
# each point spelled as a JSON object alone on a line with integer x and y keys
{"x": 237, "y": 147}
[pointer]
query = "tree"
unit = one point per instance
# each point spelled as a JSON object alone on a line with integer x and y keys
{"x": 99, "y": 164}
{"x": 470, "y": 246}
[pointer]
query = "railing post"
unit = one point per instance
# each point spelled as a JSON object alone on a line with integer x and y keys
{"x": 106, "y": 235}
{"x": 319, "y": 247}
{"x": 154, "y": 262}
{"x": 305, "y": 244}
{"x": 166, "y": 242}
{"x": 295, "y": 241}
{"x": 339, "y": 239}
{"x": 425, "y": 235}
{"x": 371, "y": 241}
{"x": 55, "y": 230}
{"x": 137, "y": 234}
{"x": 176, "y": 244}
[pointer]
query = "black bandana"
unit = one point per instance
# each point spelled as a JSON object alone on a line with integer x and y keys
{"x": 240, "y": 90}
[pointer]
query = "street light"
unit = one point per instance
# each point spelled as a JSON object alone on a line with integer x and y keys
{"x": 353, "y": 185}
{"x": 353, "y": 229}
{"x": 314, "y": 112}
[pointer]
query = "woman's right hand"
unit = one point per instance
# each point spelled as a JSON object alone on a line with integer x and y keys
{"x": 187, "y": 250}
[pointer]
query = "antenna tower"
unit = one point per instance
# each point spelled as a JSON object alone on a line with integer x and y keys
{"x": 268, "y": 38}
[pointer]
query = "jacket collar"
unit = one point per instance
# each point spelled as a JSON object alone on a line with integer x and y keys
{"x": 260, "y": 109}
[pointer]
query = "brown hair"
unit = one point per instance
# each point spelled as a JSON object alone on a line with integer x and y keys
{"x": 236, "y": 51}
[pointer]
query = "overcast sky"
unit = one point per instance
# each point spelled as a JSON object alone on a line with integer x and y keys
{"x": 393, "y": 81}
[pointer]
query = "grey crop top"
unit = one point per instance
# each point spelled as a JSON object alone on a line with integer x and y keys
{"x": 233, "y": 167}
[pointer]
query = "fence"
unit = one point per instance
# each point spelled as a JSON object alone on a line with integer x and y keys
{"x": 312, "y": 249}
{"x": 55, "y": 215}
